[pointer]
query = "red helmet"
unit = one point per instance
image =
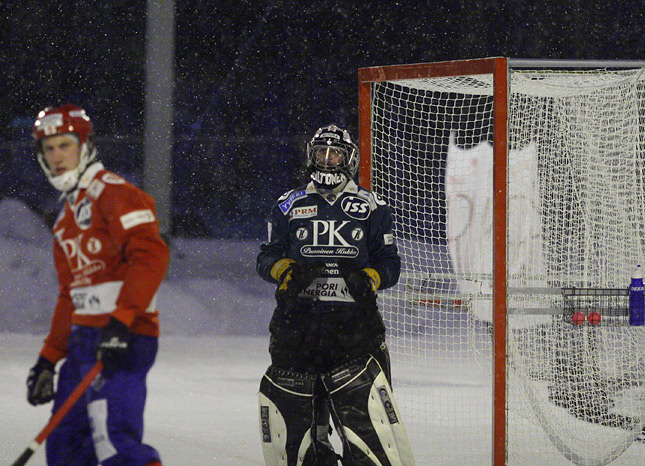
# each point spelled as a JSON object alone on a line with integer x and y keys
{"x": 66, "y": 119}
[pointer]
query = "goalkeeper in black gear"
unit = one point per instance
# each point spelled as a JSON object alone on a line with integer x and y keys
{"x": 330, "y": 248}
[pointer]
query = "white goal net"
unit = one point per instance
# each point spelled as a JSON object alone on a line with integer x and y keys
{"x": 574, "y": 220}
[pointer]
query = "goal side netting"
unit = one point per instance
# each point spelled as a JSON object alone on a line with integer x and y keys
{"x": 574, "y": 229}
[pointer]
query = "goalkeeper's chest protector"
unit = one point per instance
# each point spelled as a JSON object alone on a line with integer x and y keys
{"x": 354, "y": 225}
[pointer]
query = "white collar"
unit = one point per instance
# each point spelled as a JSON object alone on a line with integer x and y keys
{"x": 331, "y": 196}
{"x": 89, "y": 174}
{"x": 87, "y": 177}
{"x": 350, "y": 187}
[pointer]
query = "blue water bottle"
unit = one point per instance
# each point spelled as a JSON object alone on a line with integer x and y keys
{"x": 637, "y": 298}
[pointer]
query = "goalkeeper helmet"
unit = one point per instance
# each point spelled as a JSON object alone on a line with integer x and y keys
{"x": 57, "y": 121}
{"x": 332, "y": 157}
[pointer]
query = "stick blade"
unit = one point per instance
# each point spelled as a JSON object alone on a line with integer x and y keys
{"x": 22, "y": 459}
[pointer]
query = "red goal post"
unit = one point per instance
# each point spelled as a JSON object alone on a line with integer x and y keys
{"x": 397, "y": 105}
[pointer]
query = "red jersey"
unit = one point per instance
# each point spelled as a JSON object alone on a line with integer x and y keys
{"x": 109, "y": 258}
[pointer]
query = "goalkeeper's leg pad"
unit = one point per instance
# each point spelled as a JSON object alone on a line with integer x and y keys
{"x": 366, "y": 416}
{"x": 286, "y": 416}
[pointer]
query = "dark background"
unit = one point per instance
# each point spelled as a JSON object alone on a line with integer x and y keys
{"x": 253, "y": 80}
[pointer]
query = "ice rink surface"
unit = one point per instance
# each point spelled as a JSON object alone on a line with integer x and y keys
{"x": 202, "y": 404}
{"x": 202, "y": 391}
{"x": 202, "y": 400}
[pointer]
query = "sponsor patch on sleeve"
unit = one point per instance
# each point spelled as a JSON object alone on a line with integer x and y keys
{"x": 294, "y": 196}
{"x": 137, "y": 217}
{"x": 95, "y": 189}
{"x": 388, "y": 238}
{"x": 111, "y": 178}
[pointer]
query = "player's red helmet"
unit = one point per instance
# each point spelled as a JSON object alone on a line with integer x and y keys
{"x": 66, "y": 119}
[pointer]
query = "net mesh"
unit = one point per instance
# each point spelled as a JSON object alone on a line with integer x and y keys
{"x": 575, "y": 217}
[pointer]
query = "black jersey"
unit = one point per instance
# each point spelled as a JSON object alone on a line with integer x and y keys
{"x": 353, "y": 225}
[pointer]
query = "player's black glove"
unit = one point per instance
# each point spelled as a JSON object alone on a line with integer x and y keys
{"x": 293, "y": 278}
{"x": 40, "y": 382}
{"x": 112, "y": 345}
{"x": 361, "y": 283}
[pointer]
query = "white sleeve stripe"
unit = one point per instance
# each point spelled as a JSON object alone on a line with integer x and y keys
{"x": 137, "y": 217}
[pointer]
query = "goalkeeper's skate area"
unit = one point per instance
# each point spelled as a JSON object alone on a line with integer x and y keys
{"x": 202, "y": 405}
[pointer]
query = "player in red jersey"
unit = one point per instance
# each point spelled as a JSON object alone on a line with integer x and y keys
{"x": 110, "y": 261}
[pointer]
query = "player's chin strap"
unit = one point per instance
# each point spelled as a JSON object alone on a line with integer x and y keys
{"x": 385, "y": 441}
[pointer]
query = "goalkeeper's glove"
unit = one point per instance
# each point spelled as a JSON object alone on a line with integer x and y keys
{"x": 361, "y": 283}
{"x": 40, "y": 382}
{"x": 292, "y": 278}
{"x": 281, "y": 272}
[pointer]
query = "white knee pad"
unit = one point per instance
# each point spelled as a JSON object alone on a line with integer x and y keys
{"x": 285, "y": 401}
{"x": 363, "y": 405}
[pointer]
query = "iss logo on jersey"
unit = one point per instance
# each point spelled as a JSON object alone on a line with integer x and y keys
{"x": 356, "y": 207}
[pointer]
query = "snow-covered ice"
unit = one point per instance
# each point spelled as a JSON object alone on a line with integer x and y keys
{"x": 202, "y": 397}
{"x": 202, "y": 400}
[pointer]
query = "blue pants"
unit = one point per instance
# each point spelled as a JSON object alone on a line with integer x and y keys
{"x": 106, "y": 424}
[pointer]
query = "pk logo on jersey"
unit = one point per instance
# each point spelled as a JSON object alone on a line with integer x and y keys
{"x": 328, "y": 241}
{"x": 356, "y": 207}
{"x": 79, "y": 262}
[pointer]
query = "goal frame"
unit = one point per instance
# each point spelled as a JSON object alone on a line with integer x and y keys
{"x": 498, "y": 67}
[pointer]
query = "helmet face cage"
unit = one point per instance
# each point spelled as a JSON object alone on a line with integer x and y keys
{"x": 332, "y": 150}
{"x": 66, "y": 119}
